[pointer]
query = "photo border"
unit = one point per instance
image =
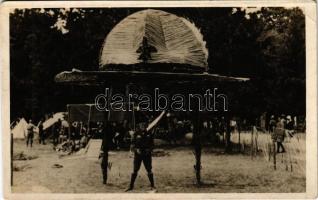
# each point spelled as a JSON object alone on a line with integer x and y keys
{"x": 311, "y": 97}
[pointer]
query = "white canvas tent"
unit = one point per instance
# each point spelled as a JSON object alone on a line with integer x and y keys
{"x": 48, "y": 123}
{"x": 20, "y": 130}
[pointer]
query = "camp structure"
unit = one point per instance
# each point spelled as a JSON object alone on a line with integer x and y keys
{"x": 20, "y": 130}
{"x": 154, "y": 48}
{"x": 150, "y": 45}
{"x": 87, "y": 113}
{"x": 170, "y": 39}
{"x": 54, "y": 119}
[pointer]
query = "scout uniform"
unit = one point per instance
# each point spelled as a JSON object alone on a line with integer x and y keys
{"x": 280, "y": 131}
{"x": 30, "y": 133}
{"x": 142, "y": 142}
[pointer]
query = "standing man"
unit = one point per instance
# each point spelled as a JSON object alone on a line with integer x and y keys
{"x": 56, "y": 132}
{"x": 280, "y": 136}
{"x": 290, "y": 126}
{"x": 272, "y": 124}
{"x": 142, "y": 144}
{"x": 30, "y": 134}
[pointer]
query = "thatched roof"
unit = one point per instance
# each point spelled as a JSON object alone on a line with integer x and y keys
{"x": 175, "y": 54}
{"x": 100, "y": 77}
{"x": 174, "y": 40}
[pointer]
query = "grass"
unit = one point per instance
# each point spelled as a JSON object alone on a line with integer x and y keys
{"x": 293, "y": 159}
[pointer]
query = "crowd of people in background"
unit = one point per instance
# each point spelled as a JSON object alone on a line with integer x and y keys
{"x": 173, "y": 129}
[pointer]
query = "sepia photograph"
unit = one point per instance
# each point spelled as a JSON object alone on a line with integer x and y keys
{"x": 158, "y": 100}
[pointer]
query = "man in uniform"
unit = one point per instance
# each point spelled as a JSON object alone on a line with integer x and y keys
{"x": 272, "y": 124}
{"x": 289, "y": 127}
{"x": 30, "y": 135}
{"x": 280, "y": 135}
{"x": 142, "y": 144}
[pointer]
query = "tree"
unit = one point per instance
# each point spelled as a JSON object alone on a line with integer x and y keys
{"x": 267, "y": 46}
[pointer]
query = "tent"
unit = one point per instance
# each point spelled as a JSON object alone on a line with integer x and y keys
{"x": 20, "y": 130}
{"x": 89, "y": 113}
{"x": 48, "y": 123}
{"x": 85, "y": 113}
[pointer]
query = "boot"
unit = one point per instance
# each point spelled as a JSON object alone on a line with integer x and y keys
{"x": 132, "y": 181}
{"x": 152, "y": 183}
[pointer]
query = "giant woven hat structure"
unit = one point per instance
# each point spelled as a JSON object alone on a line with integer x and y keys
{"x": 173, "y": 39}
{"x": 153, "y": 46}
{"x": 150, "y": 45}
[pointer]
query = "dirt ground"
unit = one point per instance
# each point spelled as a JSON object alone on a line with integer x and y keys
{"x": 173, "y": 173}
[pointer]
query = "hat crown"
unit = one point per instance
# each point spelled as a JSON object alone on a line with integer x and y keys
{"x": 154, "y": 36}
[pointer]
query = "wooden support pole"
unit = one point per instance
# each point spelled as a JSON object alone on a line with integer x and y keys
{"x": 252, "y": 143}
{"x": 197, "y": 146}
{"x": 239, "y": 137}
{"x": 274, "y": 155}
{"x": 291, "y": 161}
{"x": 89, "y": 120}
{"x": 69, "y": 122}
{"x": 109, "y": 102}
{"x": 228, "y": 146}
{"x": 256, "y": 140}
{"x": 269, "y": 151}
